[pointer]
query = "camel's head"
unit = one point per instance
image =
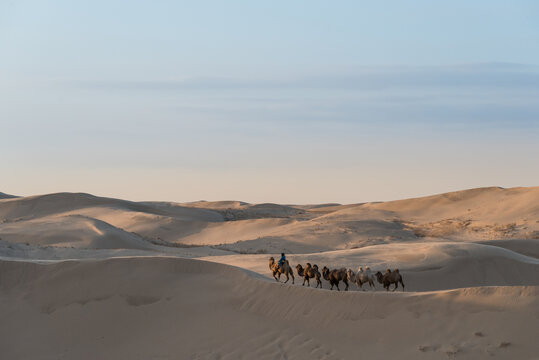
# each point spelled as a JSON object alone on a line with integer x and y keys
{"x": 367, "y": 268}
{"x": 325, "y": 272}
{"x": 360, "y": 269}
{"x": 349, "y": 274}
{"x": 379, "y": 277}
{"x": 308, "y": 265}
{"x": 397, "y": 271}
{"x": 315, "y": 266}
{"x": 299, "y": 267}
{"x": 388, "y": 271}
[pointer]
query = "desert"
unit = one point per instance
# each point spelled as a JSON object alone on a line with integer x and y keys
{"x": 89, "y": 277}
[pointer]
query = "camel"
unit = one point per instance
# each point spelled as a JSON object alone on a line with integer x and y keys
{"x": 362, "y": 277}
{"x": 311, "y": 271}
{"x": 390, "y": 277}
{"x": 300, "y": 270}
{"x": 335, "y": 276}
{"x": 283, "y": 269}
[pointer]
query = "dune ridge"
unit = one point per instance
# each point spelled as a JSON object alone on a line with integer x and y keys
{"x": 192, "y": 308}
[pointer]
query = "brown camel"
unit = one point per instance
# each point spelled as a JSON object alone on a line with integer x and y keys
{"x": 300, "y": 270}
{"x": 335, "y": 276}
{"x": 390, "y": 277}
{"x": 283, "y": 269}
{"x": 311, "y": 272}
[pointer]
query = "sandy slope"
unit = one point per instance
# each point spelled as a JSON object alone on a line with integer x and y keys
{"x": 424, "y": 266}
{"x": 158, "y": 308}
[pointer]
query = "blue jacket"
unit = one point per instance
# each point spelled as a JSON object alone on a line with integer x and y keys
{"x": 282, "y": 260}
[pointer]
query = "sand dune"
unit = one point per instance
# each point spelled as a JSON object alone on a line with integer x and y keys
{"x": 471, "y": 215}
{"x": 179, "y": 308}
{"x": 424, "y": 266}
{"x": 85, "y": 277}
{"x": 90, "y": 233}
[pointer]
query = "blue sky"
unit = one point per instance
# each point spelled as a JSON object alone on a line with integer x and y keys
{"x": 295, "y": 102}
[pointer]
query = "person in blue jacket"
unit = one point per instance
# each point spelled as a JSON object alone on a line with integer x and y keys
{"x": 282, "y": 260}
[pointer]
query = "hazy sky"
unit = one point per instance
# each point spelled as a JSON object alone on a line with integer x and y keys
{"x": 268, "y": 101}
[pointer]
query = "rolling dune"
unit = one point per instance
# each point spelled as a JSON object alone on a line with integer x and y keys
{"x": 86, "y": 277}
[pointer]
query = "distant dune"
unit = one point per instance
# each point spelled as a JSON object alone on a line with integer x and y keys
{"x": 6, "y": 196}
{"x": 470, "y": 215}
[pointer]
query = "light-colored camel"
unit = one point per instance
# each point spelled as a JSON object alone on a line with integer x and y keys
{"x": 363, "y": 276}
{"x": 310, "y": 272}
{"x": 390, "y": 277}
{"x": 283, "y": 269}
{"x": 335, "y": 276}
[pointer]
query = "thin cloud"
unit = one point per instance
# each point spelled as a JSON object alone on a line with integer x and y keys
{"x": 492, "y": 75}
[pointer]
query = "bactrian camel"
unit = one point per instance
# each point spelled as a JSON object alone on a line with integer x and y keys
{"x": 283, "y": 269}
{"x": 390, "y": 277}
{"x": 363, "y": 276}
{"x": 335, "y": 276}
{"x": 310, "y": 272}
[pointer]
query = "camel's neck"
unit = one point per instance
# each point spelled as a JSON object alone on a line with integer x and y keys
{"x": 326, "y": 275}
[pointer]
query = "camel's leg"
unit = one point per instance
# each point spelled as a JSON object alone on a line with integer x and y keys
{"x": 346, "y": 288}
{"x": 287, "y": 278}
{"x": 292, "y": 274}
{"x": 318, "y": 282}
{"x": 338, "y": 287}
{"x": 402, "y": 286}
{"x": 303, "y": 281}
{"x": 275, "y": 277}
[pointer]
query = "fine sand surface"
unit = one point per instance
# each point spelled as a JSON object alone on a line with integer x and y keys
{"x": 86, "y": 277}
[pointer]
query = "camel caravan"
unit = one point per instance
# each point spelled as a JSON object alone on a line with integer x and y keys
{"x": 335, "y": 276}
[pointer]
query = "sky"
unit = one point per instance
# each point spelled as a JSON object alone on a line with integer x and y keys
{"x": 268, "y": 101}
